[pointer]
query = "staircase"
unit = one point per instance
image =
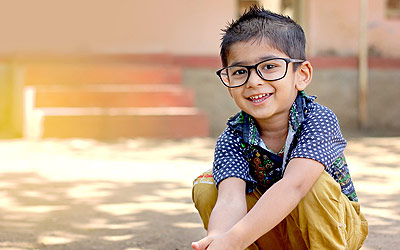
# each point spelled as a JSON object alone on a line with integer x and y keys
{"x": 114, "y": 99}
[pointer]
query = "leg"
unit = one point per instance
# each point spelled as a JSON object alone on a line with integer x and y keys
{"x": 204, "y": 195}
{"x": 326, "y": 219}
{"x": 276, "y": 238}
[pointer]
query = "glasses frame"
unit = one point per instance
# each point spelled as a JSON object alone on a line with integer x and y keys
{"x": 249, "y": 67}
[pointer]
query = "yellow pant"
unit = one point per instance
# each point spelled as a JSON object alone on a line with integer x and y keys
{"x": 324, "y": 219}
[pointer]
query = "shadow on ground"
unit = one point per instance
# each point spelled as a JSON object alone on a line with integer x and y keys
{"x": 40, "y": 214}
{"x": 375, "y": 167}
{"x": 136, "y": 194}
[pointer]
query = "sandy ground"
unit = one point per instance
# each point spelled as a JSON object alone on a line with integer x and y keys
{"x": 136, "y": 194}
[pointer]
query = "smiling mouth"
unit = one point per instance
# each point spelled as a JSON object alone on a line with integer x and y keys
{"x": 259, "y": 98}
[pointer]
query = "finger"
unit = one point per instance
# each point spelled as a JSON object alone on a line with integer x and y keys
{"x": 202, "y": 244}
{"x": 195, "y": 246}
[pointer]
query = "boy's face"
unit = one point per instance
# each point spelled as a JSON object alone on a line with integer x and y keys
{"x": 264, "y": 100}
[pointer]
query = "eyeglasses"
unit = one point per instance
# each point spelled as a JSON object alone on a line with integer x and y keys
{"x": 269, "y": 70}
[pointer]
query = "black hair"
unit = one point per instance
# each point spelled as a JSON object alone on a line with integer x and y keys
{"x": 260, "y": 25}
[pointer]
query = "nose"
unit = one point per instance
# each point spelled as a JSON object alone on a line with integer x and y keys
{"x": 254, "y": 79}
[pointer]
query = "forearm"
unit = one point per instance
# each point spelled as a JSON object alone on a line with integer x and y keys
{"x": 225, "y": 215}
{"x": 271, "y": 209}
{"x": 278, "y": 202}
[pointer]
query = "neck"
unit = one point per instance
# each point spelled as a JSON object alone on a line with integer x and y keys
{"x": 274, "y": 132}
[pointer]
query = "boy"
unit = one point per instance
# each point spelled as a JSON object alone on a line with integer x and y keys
{"x": 279, "y": 180}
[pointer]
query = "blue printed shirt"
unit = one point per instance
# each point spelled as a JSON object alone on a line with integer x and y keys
{"x": 314, "y": 133}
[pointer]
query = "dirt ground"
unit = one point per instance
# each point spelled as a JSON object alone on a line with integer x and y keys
{"x": 136, "y": 194}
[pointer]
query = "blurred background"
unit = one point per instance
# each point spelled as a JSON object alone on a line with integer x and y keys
{"x": 109, "y": 110}
{"x": 130, "y": 68}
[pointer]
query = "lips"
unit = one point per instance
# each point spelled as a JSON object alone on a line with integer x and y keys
{"x": 259, "y": 98}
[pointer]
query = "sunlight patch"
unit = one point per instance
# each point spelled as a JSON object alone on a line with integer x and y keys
{"x": 54, "y": 240}
{"x": 171, "y": 208}
{"x": 89, "y": 191}
{"x": 187, "y": 225}
{"x": 118, "y": 237}
{"x": 6, "y": 200}
{"x": 381, "y": 214}
{"x": 173, "y": 193}
{"x": 58, "y": 237}
{"x": 38, "y": 209}
{"x": 103, "y": 224}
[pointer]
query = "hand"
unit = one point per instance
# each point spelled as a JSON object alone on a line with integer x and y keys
{"x": 202, "y": 244}
{"x": 216, "y": 242}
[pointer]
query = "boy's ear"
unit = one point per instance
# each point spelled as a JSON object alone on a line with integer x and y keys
{"x": 304, "y": 75}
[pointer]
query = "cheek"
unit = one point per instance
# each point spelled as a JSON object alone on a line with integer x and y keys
{"x": 235, "y": 93}
{"x": 286, "y": 92}
{"x": 230, "y": 92}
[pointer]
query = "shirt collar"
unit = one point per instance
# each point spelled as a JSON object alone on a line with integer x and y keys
{"x": 247, "y": 126}
{"x": 300, "y": 109}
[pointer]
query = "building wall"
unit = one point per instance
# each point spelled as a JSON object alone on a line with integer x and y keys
{"x": 189, "y": 27}
{"x": 192, "y": 27}
{"x": 106, "y": 26}
{"x": 333, "y": 28}
{"x": 383, "y": 33}
{"x": 335, "y": 87}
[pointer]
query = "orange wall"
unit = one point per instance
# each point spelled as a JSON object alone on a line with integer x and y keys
{"x": 106, "y": 26}
{"x": 333, "y": 28}
{"x": 182, "y": 27}
{"x": 384, "y": 34}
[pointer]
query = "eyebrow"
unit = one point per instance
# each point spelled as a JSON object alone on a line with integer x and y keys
{"x": 243, "y": 63}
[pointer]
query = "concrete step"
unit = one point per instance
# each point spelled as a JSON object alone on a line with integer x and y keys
{"x": 101, "y": 73}
{"x": 145, "y": 95}
{"x": 108, "y": 100}
{"x": 113, "y": 123}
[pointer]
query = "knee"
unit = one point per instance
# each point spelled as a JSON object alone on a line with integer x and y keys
{"x": 325, "y": 189}
{"x": 322, "y": 200}
{"x": 317, "y": 218}
{"x": 204, "y": 192}
{"x": 204, "y": 195}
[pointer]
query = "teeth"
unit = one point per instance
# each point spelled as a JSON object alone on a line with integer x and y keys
{"x": 257, "y": 96}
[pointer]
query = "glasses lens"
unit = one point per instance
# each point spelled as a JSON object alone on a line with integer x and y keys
{"x": 234, "y": 76}
{"x": 272, "y": 69}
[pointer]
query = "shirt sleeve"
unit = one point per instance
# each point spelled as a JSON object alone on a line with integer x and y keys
{"x": 229, "y": 160}
{"x": 320, "y": 137}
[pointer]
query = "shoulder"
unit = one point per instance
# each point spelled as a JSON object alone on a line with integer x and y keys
{"x": 233, "y": 133}
{"x": 229, "y": 142}
{"x": 320, "y": 118}
{"x": 229, "y": 135}
{"x": 317, "y": 111}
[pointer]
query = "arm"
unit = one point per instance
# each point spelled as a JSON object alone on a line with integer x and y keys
{"x": 229, "y": 209}
{"x": 273, "y": 206}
